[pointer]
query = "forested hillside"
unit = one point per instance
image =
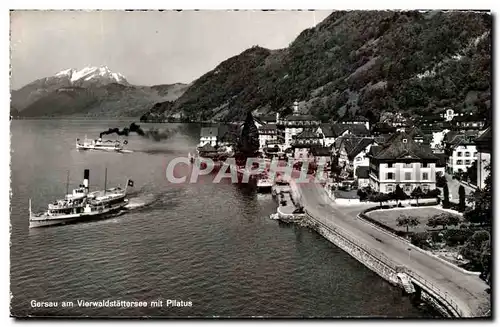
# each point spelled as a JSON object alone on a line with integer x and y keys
{"x": 363, "y": 62}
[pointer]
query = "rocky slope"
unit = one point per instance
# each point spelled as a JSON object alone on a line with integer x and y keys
{"x": 363, "y": 62}
{"x": 92, "y": 91}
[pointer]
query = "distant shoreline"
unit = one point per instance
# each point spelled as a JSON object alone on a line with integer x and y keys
{"x": 115, "y": 119}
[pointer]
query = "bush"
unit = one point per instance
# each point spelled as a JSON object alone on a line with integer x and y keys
{"x": 457, "y": 236}
{"x": 441, "y": 180}
{"x": 431, "y": 194}
{"x": 420, "y": 239}
{"x": 435, "y": 236}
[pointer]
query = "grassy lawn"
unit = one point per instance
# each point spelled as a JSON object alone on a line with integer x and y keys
{"x": 352, "y": 194}
{"x": 389, "y": 217}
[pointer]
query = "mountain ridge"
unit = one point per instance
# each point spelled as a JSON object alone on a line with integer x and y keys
{"x": 89, "y": 92}
{"x": 354, "y": 62}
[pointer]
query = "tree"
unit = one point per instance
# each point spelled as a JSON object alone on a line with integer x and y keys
{"x": 407, "y": 221}
{"x": 380, "y": 197}
{"x": 417, "y": 193}
{"x": 478, "y": 244}
{"x": 437, "y": 220}
{"x": 453, "y": 220}
{"x": 446, "y": 196}
{"x": 362, "y": 195}
{"x": 444, "y": 220}
{"x": 440, "y": 180}
{"x": 482, "y": 209}
{"x": 249, "y": 141}
{"x": 461, "y": 197}
{"x": 399, "y": 194}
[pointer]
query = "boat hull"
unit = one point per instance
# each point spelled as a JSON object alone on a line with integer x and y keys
{"x": 46, "y": 221}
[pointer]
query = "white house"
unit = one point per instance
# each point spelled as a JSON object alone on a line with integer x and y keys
{"x": 209, "y": 135}
{"x": 461, "y": 151}
{"x": 294, "y": 124}
{"x": 402, "y": 161}
{"x": 484, "y": 147}
{"x": 268, "y": 134}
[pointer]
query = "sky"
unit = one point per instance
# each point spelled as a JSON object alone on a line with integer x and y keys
{"x": 147, "y": 47}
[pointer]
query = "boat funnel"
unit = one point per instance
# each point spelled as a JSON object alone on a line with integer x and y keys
{"x": 86, "y": 174}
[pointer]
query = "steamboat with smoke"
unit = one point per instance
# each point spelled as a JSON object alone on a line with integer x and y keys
{"x": 82, "y": 205}
{"x": 102, "y": 145}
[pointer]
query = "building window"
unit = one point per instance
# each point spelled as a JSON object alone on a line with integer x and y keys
{"x": 425, "y": 176}
{"x": 408, "y": 165}
{"x": 408, "y": 176}
{"x": 467, "y": 162}
{"x": 390, "y": 175}
{"x": 459, "y": 154}
{"x": 389, "y": 165}
{"x": 407, "y": 188}
{"x": 425, "y": 165}
{"x": 390, "y": 189}
{"x": 425, "y": 188}
{"x": 475, "y": 154}
{"x": 467, "y": 154}
{"x": 459, "y": 162}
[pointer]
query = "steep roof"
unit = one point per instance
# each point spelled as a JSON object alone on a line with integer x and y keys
{"x": 327, "y": 130}
{"x": 338, "y": 129}
{"x": 358, "y": 129}
{"x": 354, "y": 119}
{"x": 354, "y": 129}
{"x": 360, "y": 146}
{"x": 485, "y": 136}
{"x": 267, "y": 127}
{"x": 300, "y": 117}
{"x": 455, "y": 138}
{"x": 307, "y": 134}
{"x": 268, "y": 118}
{"x": 363, "y": 172}
{"x": 402, "y": 146}
{"x": 321, "y": 151}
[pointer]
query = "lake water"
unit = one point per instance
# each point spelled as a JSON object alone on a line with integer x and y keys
{"x": 211, "y": 244}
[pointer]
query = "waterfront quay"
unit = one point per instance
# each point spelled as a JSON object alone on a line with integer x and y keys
{"x": 454, "y": 291}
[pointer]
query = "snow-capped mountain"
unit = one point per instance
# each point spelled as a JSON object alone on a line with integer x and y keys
{"x": 96, "y": 74}
{"x": 91, "y": 91}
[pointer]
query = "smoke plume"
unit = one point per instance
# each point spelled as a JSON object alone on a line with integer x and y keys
{"x": 152, "y": 134}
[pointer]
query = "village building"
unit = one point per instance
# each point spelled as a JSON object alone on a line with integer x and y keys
{"x": 363, "y": 175}
{"x": 461, "y": 151}
{"x": 484, "y": 147}
{"x": 304, "y": 142}
{"x": 404, "y": 162}
{"x": 268, "y": 134}
{"x": 322, "y": 155}
{"x": 464, "y": 122}
{"x": 352, "y": 152}
{"x": 328, "y": 134}
{"x": 357, "y": 120}
{"x": 449, "y": 114}
{"x": 295, "y": 123}
{"x": 209, "y": 135}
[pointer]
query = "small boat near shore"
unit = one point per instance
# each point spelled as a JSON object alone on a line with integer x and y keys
{"x": 264, "y": 184}
{"x": 81, "y": 205}
{"x": 102, "y": 145}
